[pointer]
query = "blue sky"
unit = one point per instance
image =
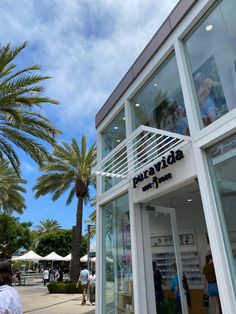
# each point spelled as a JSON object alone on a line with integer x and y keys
{"x": 86, "y": 46}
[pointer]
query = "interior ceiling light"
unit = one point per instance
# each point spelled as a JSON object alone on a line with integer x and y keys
{"x": 209, "y": 27}
{"x": 155, "y": 85}
{"x": 123, "y": 118}
{"x": 118, "y": 141}
{"x": 137, "y": 105}
{"x": 116, "y": 128}
{"x": 189, "y": 200}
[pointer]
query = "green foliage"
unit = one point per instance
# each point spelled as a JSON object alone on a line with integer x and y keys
{"x": 69, "y": 169}
{"x": 64, "y": 287}
{"x": 167, "y": 306}
{"x": 14, "y": 235}
{"x": 11, "y": 189}
{"x": 58, "y": 241}
{"x": 46, "y": 226}
{"x": 21, "y": 93}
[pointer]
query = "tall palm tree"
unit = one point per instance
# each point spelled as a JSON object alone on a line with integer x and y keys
{"x": 11, "y": 189}
{"x": 46, "y": 226}
{"x": 69, "y": 169}
{"x": 21, "y": 97}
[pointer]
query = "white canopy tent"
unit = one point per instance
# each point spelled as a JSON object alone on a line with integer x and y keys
{"x": 84, "y": 259}
{"x": 29, "y": 256}
{"x": 53, "y": 257}
{"x": 67, "y": 258}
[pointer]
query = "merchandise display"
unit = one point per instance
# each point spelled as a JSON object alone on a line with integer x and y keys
{"x": 190, "y": 263}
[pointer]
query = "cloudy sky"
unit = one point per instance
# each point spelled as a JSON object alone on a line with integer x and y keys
{"x": 86, "y": 46}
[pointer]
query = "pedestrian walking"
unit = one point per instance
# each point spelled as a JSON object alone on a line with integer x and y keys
{"x": 92, "y": 287}
{"x": 83, "y": 280}
{"x": 45, "y": 276}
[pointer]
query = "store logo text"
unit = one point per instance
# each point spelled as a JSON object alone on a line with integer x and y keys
{"x": 162, "y": 164}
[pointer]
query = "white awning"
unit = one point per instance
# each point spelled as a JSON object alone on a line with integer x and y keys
{"x": 143, "y": 146}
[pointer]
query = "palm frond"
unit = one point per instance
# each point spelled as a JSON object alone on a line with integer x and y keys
{"x": 20, "y": 125}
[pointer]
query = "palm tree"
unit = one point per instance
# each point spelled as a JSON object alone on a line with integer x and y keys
{"x": 21, "y": 124}
{"x": 46, "y": 226}
{"x": 11, "y": 188}
{"x": 69, "y": 169}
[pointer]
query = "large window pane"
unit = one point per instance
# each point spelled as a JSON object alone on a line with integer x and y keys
{"x": 222, "y": 160}
{"x": 160, "y": 103}
{"x": 211, "y": 49}
{"x": 114, "y": 134}
{"x": 116, "y": 164}
{"x": 117, "y": 258}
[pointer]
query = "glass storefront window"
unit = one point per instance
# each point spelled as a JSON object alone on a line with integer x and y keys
{"x": 211, "y": 51}
{"x": 222, "y": 161}
{"x": 114, "y": 134}
{"x": 115, "y": 163}
{"x": 160, "y": 103}
{"x": 118, "y": 286}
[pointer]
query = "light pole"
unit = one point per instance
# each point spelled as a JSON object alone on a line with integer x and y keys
{"x": 89, "y": 223}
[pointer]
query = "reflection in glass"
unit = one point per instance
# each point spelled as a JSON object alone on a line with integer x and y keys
{"x": 160, "y": 103}
{"x": 117, "y": 163}
{"x": 117, "y": 257}
{"x": 222, "y": 160}
{"x": 114, "y": 134}
{"x": 212, "y": 64}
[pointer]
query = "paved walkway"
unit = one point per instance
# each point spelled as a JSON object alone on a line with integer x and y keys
{"x": 37, "y": 300}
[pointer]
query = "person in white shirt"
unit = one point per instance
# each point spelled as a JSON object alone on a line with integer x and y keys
{"x": 92, "y": 287}
{"x": 9, "y": 298}
{"x": 45, "y": 276}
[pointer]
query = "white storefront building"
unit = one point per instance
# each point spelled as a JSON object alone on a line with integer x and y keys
{"x": 166, "y": 172}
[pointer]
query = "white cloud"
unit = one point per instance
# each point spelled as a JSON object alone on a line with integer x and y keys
{"x": 87, "y": 46}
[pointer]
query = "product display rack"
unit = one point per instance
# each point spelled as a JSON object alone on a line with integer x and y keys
{"x": 190, "y": 264}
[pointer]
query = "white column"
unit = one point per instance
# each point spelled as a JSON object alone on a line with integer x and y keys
{"x": 137, "y": 249}
{"x": 100, "y": 276}
{"x": 213, "y": 219}
{"x": 187, "y": 88}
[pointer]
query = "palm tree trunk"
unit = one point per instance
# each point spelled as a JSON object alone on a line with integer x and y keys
{"x": 76, "y": 241}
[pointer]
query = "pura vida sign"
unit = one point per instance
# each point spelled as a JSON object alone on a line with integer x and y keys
{"x": 153, "y": 171}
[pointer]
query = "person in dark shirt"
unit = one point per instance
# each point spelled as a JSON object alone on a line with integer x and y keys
{"x": 157, "y": 284}
{"x": 210, "y": 284}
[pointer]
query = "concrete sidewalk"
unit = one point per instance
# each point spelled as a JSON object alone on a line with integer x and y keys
{"x": 37, "y": 300}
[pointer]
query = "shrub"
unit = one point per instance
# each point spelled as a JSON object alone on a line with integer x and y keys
{"x": 63, "y": 287}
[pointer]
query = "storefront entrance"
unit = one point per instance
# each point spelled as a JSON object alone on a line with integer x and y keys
{"x": 176, "y": 244}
